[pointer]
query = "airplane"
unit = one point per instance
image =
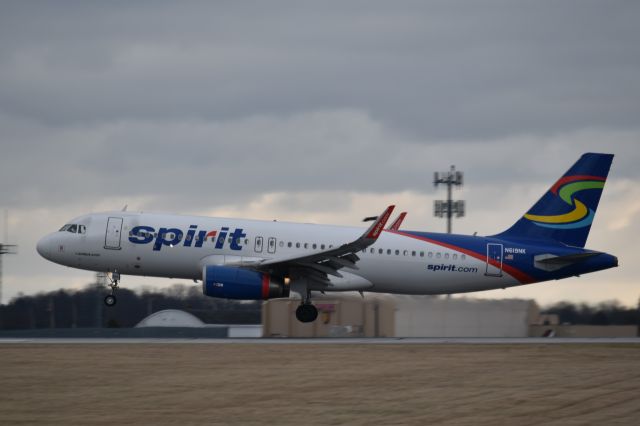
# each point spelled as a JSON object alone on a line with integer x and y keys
{"x": 258, "y": 260}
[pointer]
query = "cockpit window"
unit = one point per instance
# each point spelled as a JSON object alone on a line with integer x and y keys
{"x": 73, "y": 228}
{"x": 82, "y": 229}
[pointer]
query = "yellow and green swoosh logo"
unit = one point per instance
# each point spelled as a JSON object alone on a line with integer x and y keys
{"x": 566, "y": 188}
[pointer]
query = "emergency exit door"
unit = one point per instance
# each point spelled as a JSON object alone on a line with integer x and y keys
{"x": 113, "y": 236}
{"x": 494, "y": 260}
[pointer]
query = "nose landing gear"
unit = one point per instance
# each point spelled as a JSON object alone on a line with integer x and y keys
{"x": 110, "y": 300}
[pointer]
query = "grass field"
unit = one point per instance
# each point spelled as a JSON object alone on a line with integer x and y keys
{"x": 245, "y": 384}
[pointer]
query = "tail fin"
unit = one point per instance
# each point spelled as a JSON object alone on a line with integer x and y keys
{"x": 565, "y": 212}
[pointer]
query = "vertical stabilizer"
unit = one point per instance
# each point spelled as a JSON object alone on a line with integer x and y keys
{"x": 565, "y": 212}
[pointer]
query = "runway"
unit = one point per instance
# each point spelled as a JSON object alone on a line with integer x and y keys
{"x": 332, "y": 341}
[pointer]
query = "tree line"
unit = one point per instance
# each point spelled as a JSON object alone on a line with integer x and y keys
{"x": 605, "y": 313}
{"x": 85, "y": 308}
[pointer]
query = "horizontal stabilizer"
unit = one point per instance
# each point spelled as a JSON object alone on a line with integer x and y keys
{"x": 551, "y": 262}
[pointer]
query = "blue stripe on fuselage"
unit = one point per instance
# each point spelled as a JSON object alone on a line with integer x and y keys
{"x": 521, "y": 253}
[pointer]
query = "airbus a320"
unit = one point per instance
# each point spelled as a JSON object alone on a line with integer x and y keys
{"x": 257, "y": 260}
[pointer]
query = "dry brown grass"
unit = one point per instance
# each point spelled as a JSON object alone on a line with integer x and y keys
{"x": 317, "y": 384}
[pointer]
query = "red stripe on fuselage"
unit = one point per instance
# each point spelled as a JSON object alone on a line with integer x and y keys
{"x": 265, "y": 286}
{"x": 567, "y": 179}
{"x": 514, "y": 272}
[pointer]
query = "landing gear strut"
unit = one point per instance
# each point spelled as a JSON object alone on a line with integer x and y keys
{"x": 110, "y": 300}
{"x": 306, "y": 312}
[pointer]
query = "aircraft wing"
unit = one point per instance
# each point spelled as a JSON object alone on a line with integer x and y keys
{"x": 320, "y": 264}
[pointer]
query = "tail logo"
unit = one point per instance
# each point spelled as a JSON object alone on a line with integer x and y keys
{"x": 566, "y": 188}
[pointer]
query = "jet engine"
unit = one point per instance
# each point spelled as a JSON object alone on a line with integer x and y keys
{"x": 230, "y": 282}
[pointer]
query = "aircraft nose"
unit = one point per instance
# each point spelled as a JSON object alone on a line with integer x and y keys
{"x": 44, "y": 247}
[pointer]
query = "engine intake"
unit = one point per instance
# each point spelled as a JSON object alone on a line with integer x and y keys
{"x": 238, "y": 283}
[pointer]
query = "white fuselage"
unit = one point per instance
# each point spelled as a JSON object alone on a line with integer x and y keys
{"x": 148, "y": 245}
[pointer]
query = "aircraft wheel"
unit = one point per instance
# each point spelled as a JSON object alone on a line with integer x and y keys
{"x": 306, "y": 313}
{"x": 110, "y": 300}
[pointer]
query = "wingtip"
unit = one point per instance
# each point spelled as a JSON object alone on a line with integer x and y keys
{"x": 378, "y": 226}
{"x": 398, "y": 222}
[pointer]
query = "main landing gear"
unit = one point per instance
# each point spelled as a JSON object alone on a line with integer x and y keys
{"x": 110, "y": 300}
{"x": 306, "y": 312}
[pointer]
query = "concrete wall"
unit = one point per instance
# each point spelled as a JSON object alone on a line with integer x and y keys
{"x": 244, "y": 330}
{"x": 101, "y": 333}
{"x": 428, "y": 316}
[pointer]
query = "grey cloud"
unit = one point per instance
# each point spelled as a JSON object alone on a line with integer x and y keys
{"x": 432, "y": 70}
{"x": 194, "y": 106}
{"x": 203, "y": 164}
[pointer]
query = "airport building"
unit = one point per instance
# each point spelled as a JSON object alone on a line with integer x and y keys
{"x": 402, "y": 316}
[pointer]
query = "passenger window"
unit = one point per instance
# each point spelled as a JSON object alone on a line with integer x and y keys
{"x": 297, "y": 245}
{"x": 281, "y": 243}
{"x": 463, "y": 256}
{"x": 455, "y": 256}
{"x": 258, "y": 245}
{"x": 413, "y": 253}
{"x": 373, "y": 250}
{"x": 380, "y": 251}
{"x": 321, "y": 246}
{"x": 306, "y": 245}
{"x": 404, "y": 253}
{"x": 421, "y": 254}
{"x": 430, "y": 254}
{"x": 438, "y": 255}
{"x": 388, "y": 251}
{"x": 289, "y": 244}
{"x": 397, "y": 252}
{"x": 315, "y": 246}
{"x": 446, "y": 255}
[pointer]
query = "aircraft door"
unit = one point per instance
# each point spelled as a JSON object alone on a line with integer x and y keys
{"x": 494, "y": 260}
{"x": 113, "y": 235}
{"x": 258, "y": 245}
{"x": 271, "y": 245}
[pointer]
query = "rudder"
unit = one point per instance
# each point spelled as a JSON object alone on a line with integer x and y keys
{"x": 565, "y": 212}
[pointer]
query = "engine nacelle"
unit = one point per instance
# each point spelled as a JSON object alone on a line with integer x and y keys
{"x": 230, "y": 282}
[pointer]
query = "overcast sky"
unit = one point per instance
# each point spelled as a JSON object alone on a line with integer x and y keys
{"x": 318, "y": 112}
